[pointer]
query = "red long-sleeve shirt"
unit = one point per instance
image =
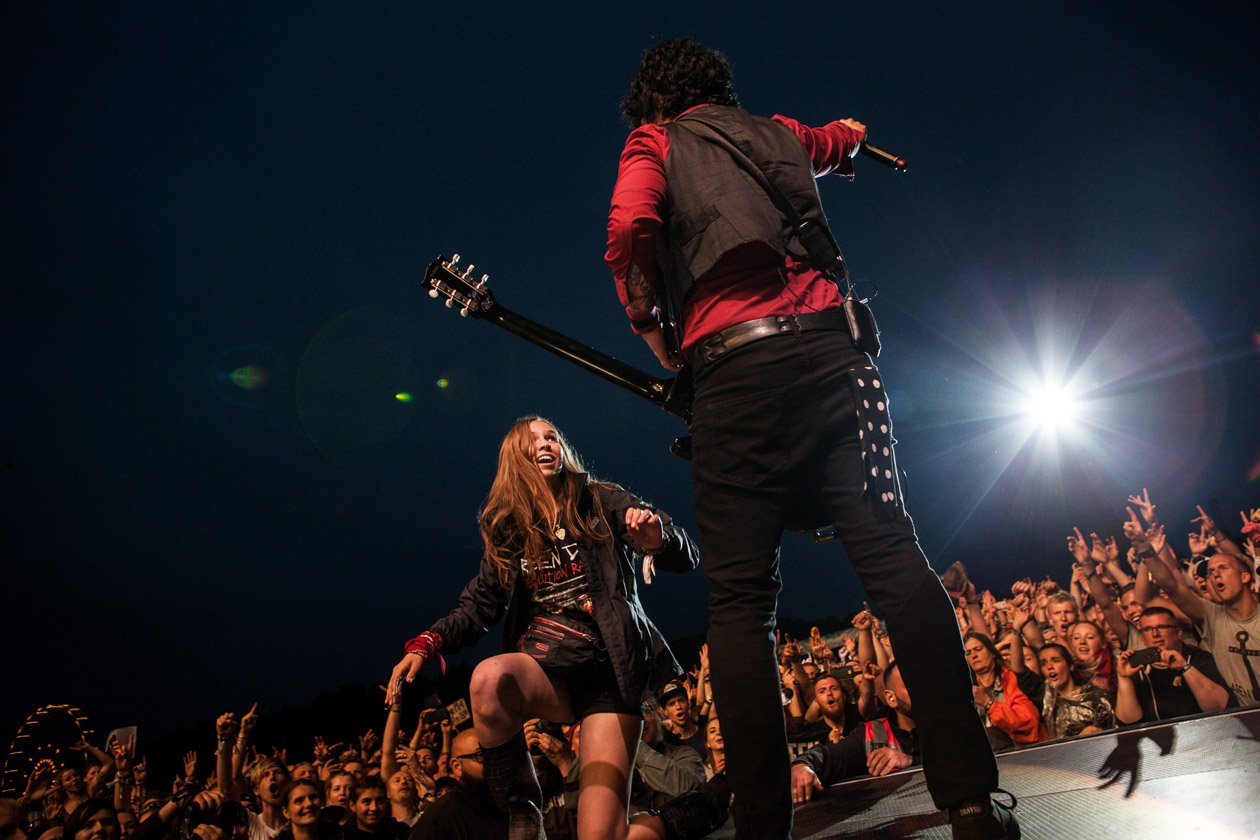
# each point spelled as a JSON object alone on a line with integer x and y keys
{"x": 737, "y": 290}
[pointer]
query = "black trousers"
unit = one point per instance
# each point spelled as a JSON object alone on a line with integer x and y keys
{"x": 776, "y": 446}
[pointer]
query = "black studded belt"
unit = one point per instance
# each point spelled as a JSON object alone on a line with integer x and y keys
{"x": 720, "y": 343}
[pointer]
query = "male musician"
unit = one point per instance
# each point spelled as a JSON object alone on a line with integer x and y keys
{"x": 790, "y": 427}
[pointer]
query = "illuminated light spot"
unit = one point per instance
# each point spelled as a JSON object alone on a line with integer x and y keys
{"x": 249, "y": 377}
{"x": 404, "y": 396}
{"x": 443, "y": 383}
{"x": 1050, "y": 407}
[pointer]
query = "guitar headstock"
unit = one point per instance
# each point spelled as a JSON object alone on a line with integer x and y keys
{"x": 445, "y": 279}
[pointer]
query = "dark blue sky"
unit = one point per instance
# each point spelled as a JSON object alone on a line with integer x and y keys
{"x": 191, "y": 190}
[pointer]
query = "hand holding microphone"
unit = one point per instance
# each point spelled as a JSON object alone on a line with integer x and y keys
{"x": 874, "y": 152}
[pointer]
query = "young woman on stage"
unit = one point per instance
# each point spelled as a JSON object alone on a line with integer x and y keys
{"x": 559, "y": 569}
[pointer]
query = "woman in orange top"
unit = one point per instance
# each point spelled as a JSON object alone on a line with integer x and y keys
{"x": 1010, "y": 718}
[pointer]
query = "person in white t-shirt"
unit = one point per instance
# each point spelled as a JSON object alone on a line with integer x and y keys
{"x": 1230, "y": 629}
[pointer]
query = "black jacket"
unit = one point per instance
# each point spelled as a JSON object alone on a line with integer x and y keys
{"x": 465, "y": 812}
{"x": 636, "y": 650}
{"x": 832, "y": 763}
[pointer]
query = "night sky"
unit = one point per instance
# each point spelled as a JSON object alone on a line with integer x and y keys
{"x": 216, "y": 218}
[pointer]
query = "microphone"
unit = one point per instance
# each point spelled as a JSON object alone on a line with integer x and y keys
{"x": 886, "y": 158}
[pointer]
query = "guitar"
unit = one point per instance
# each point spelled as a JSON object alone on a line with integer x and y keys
{"x": 445, "y": 279}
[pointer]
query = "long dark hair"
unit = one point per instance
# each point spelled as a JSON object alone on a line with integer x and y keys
{"x": 1076, "y": 673}
{"x": 675, "y": 75}
{"x": 999, "y": 663}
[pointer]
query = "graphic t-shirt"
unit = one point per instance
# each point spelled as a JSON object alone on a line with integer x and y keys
{"x": 561, "y": 585}
{"x": 1235, "y": 645}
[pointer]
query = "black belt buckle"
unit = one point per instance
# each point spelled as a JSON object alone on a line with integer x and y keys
{"x": 788, "y": 323}
{"x": 713, "y": 348}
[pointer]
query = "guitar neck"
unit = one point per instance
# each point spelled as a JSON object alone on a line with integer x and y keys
{"x": 588, "y": 358}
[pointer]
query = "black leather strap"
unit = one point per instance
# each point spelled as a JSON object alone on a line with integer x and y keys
{"x": 720, "y": 343}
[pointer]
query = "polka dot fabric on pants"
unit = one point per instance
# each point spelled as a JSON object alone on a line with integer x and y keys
{"x": 879, "y": 462}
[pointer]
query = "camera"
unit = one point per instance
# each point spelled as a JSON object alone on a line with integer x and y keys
{"x": 228, "y": 816}
{"x": 1144, "y": 657}
{"x": 436, "y": 714}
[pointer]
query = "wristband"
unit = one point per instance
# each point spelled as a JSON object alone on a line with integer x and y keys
{"x": 646, "y": 323}
{"x": 1145, "y": 554}
{"x": 427, "y": 645}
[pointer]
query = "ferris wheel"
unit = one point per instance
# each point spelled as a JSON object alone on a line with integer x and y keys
{"x": 44, "y": 740}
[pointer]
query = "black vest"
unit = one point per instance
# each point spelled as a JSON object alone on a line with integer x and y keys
{"x": 715, "y": 207}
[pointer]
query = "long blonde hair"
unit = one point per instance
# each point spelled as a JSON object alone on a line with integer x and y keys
{"x": 522, "y": 514}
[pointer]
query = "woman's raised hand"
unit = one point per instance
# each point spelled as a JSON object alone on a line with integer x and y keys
{"x": 645, "y": 528}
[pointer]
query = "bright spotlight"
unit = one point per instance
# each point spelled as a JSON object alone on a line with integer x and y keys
{"x": 1050, "y": 407}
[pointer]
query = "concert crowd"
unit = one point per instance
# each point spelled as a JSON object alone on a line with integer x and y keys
{"x": 1143, "y": 627}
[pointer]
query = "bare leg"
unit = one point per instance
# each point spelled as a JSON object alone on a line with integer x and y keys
{"x": 509, "y": 689}
{"x": 607, "y": 749}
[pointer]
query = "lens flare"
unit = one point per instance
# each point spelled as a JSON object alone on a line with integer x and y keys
{"x": 249, "y": 377}
{"x": 404, "y": 396}
{"x": 443, "y": 383}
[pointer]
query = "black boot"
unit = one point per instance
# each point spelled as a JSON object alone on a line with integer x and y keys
{"x": 698, "y": 812}
{"x": 984, "y": 819}
{"x": 515, "y": 788}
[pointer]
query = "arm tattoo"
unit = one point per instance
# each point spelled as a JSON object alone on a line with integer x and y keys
{"x": 640, "y": 293}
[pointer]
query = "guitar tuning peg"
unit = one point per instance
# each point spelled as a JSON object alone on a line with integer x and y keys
{"x": 484, "y": 279}
{"x": 433, "y": 293}
{"x": 463, "y": 313}
{"x": 468, "y": 271}
{"x": 449, "y": 303}
{"x": 454, "y": 258}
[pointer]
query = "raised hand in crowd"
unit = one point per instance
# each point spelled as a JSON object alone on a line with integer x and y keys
{"x": 703, "y": 702}
{"x": 190, "y": 765}
{"x": 1222, "y": 542}
{"x": 1251, "y": 542}
{"x": 1133, "y": 529}
{"x": 819, "y": 651}
{"x": 1200, "y": 541}
{"x": 1079, "y": 548}
{"x": 1143, "y": 503}
{"x": 367, "y": 744}
{"x": 447, "y": 730}
{"x": 320, "y": 750}
{"x": 248, "y": 721}
{"x": 124, "y": 754}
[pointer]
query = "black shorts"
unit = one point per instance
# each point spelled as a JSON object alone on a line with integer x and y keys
{"x": 593, "y": 689}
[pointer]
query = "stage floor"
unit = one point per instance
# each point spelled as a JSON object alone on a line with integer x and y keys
{"x": 1192, "y": 778}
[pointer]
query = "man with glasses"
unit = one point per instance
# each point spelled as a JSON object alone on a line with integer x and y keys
{"x": 468, "y": 811}
{"x": 1183, "y": 681}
